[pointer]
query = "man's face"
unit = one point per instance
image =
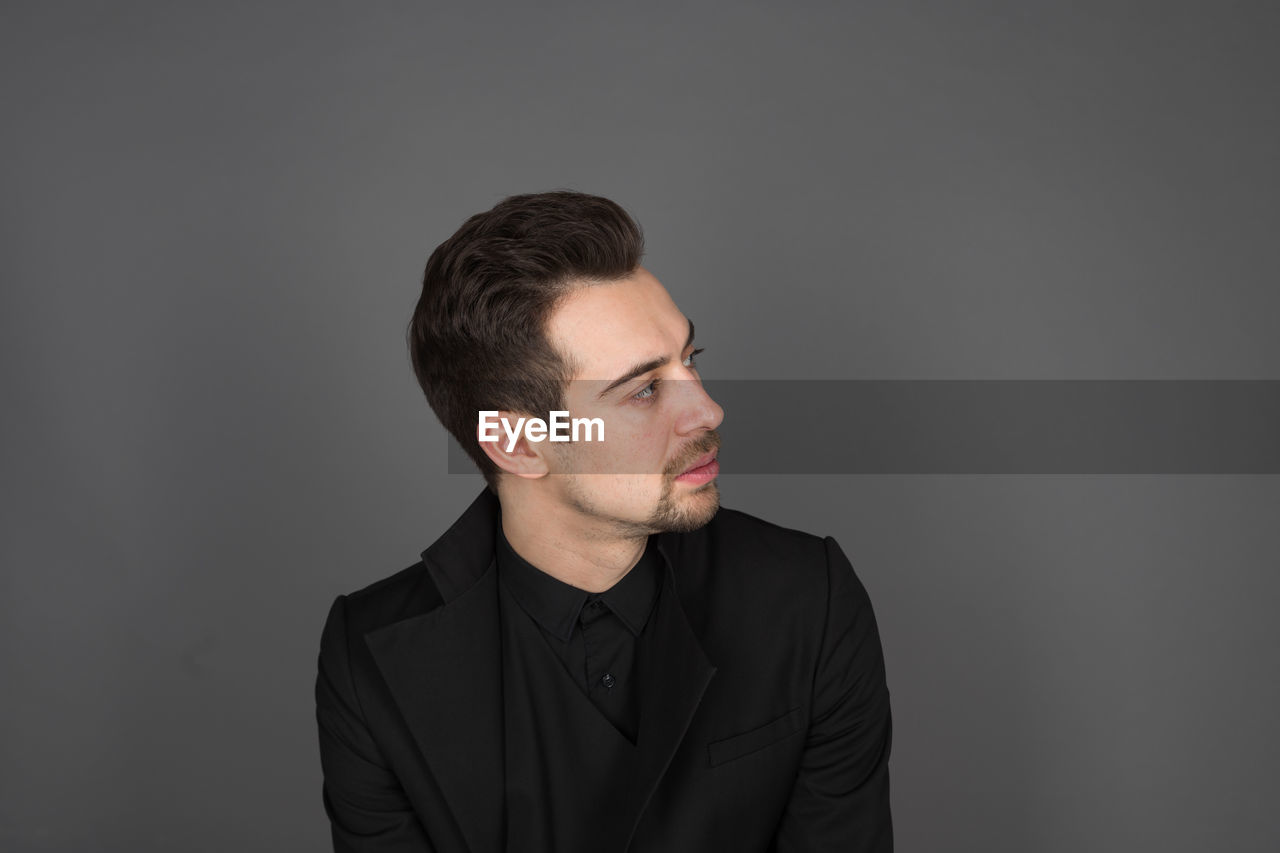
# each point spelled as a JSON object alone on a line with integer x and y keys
{"x": 658, "y": 421}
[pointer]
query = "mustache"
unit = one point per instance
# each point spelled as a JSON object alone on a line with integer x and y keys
{"x": 706, "y": 444}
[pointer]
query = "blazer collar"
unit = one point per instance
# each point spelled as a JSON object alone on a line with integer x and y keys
{"x": 444, "y": 670}
{"x": 463, "y": 553}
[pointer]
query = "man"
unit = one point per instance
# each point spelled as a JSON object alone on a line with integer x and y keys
{"x": 595, "y": 656}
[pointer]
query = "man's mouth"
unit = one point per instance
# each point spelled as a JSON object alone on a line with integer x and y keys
{"x": 701, "y": 461}
{"x": 703, "y": 470}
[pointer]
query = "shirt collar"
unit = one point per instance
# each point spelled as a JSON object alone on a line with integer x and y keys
{"x": 556, "y": 605}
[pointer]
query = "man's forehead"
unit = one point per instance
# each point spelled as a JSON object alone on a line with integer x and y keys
{"x": 607, "y": 328}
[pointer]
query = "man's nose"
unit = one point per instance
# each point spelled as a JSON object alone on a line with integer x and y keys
{"x": 698, "y": 410}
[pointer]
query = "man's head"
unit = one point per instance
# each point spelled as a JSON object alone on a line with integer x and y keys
{"x": 539, "y": 305}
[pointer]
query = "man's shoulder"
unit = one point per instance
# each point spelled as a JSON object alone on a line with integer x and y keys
{"x": 764, "y": 550}
{"x": 409, "y": 592}
{"x": 741, "y": 577}
{"x": 736, "y": 523}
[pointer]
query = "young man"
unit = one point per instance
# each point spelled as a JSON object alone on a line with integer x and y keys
{"x": 595, "y": 656}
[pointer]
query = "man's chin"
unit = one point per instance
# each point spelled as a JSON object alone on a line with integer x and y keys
{"x": 692, "y": 511}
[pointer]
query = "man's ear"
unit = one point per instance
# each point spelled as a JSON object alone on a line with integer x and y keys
{"x": 502, "y": 437}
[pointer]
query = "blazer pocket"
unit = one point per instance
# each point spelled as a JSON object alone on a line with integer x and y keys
{"x": 771, "y": 732}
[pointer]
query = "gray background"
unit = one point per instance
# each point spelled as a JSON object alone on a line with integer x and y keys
{"x": 215, "y": 216}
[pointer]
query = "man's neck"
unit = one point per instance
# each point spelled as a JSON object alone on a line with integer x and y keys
{"x": 568, "y": 546}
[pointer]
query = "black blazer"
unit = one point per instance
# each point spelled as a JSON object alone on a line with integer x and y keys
{"x": 764, "y": 709}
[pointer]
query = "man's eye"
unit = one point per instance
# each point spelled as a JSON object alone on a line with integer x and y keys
{"x": 646, "y": 393}
{"x": 650, "y": 392}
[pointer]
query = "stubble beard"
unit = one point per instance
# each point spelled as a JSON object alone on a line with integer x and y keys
{"x": 670, "y": 514}
{"x": 678, "y": 509}
{"x": 684, "y": 516}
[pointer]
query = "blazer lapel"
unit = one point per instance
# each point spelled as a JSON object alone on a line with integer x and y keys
{"x": 673, "y": 674}
{"x": 444, "y": 669}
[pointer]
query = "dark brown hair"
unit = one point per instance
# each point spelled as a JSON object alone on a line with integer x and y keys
{"x": 477, "y": 338}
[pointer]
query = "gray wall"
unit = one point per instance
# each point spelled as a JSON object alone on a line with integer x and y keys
{"x": 214, "y": 218}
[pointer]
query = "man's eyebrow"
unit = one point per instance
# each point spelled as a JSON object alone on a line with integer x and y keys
{"x": 651, "y": 364}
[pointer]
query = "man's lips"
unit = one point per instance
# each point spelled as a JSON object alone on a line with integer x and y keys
{"x": 705, "y": 459}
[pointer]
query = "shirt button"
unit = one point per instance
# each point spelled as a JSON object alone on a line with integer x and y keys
{"x": 608, "y": 680}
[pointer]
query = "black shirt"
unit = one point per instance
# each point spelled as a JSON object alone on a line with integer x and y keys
{"x": 593, "y": 634}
